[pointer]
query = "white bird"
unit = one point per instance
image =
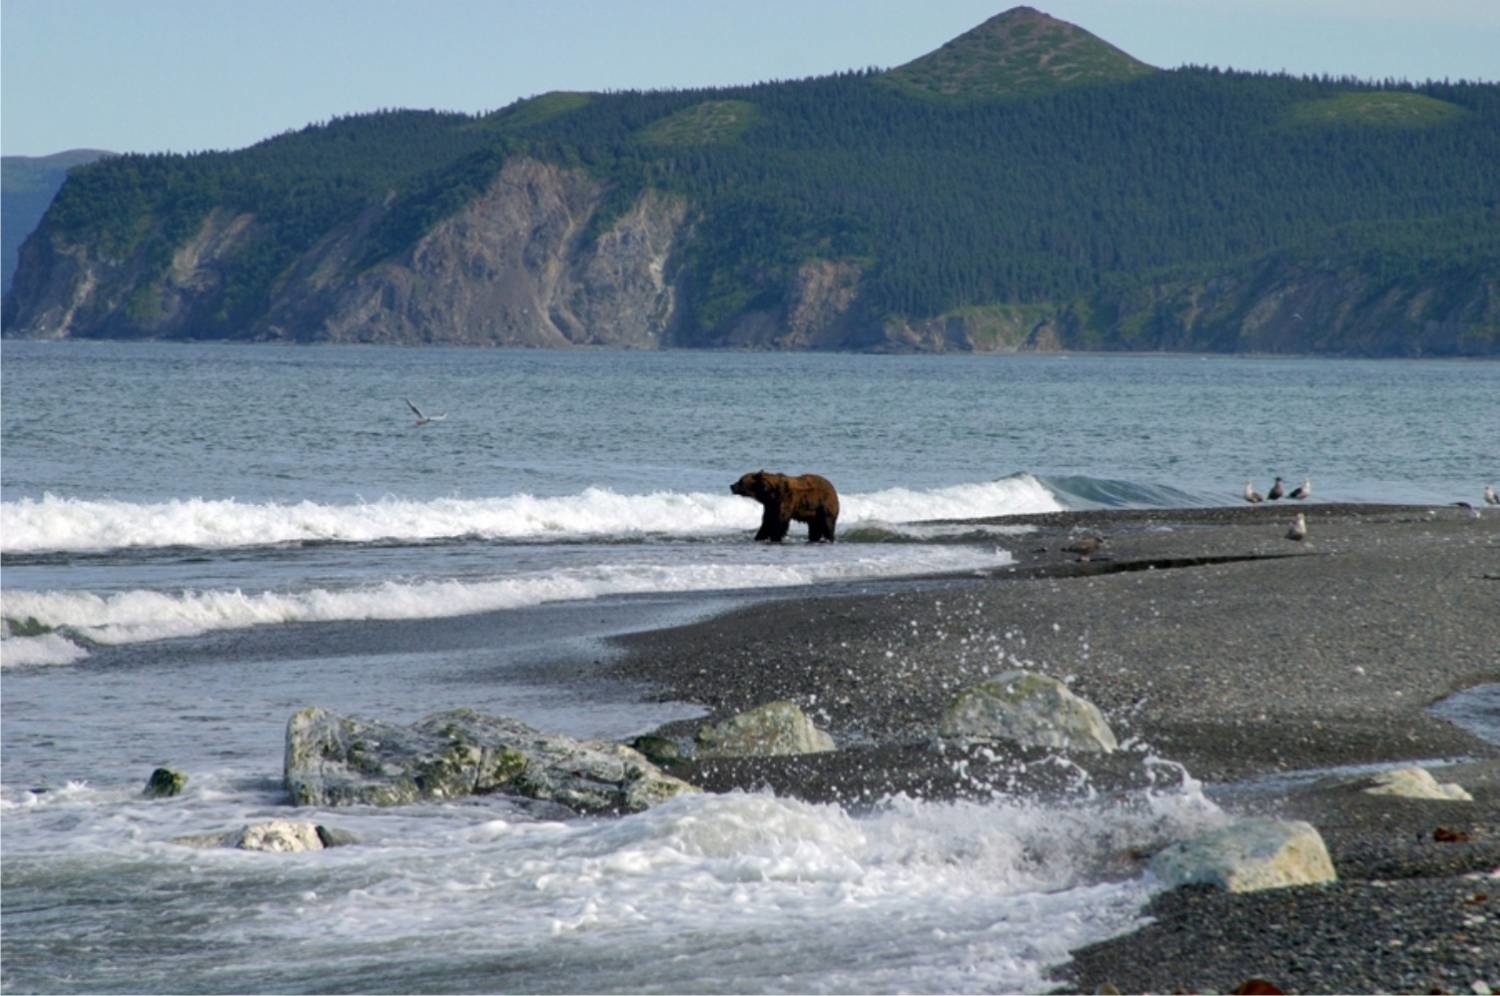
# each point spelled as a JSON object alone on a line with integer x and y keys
{"x": 1276, "y": 490}
{"x": 1490, "y": 498}
{"x": 1252, "y": 496}
{"x": 422, "y": 419}
{"x": 1302, "y": 490}
{"x": 1298, "y": 531}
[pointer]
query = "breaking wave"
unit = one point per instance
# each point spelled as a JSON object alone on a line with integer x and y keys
{"x": 56, "y": 524}
{"x": 56, "y": 626}
{"x": 1079, "y": 492}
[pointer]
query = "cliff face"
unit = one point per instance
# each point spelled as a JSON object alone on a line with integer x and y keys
{"x": 515, "y": 267}
{"x": 530, "y": 262}
{"x": 1286, "y": 306}
{"x": 27, "y": 186}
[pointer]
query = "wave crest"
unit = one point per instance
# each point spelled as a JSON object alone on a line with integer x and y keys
{"x": 142, "y": 615}
{"x": 59, "y": 524}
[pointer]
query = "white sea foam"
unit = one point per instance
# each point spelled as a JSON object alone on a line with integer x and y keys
{"x": 734, "y": 892}
{"x": 141, "y": 615}
{"x": 48, "y": 648}
{"x": 55, "y": 523}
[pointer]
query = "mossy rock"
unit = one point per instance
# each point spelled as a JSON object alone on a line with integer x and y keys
{"x": 771, "y": 729}
{"x": 165, "y": 783}
{"x": 657, "y": 750}
{"x": 1029, "y": 709}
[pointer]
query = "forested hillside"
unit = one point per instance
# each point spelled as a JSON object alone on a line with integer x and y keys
{"x": 934, "y": 206}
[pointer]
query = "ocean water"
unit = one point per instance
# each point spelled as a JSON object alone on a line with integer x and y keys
{"x": 197, "y": 540}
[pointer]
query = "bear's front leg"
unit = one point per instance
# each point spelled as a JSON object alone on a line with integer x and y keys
{"x": 779, "y": 528}
{"x": 767, "y": 530}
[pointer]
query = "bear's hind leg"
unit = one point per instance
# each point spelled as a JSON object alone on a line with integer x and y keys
{"x": 779, "y": 528}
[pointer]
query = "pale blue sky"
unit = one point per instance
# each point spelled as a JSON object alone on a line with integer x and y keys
{"x": 184, "y": 75}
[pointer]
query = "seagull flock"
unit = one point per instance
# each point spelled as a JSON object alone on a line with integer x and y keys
{"x": 1278, "y": 491}
{"x": 1298, "y": 529}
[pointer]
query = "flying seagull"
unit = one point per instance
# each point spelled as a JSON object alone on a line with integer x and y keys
{"x": 1277, "y": 490}
{"x": 1302, "y": 490}
{"x": 422, "y": 419}
{"x": 1469, "y": 510}
{"x": 1252, "y": 496}
{"x": 1298, "y": 531}
{"x": 1490, "y": 498}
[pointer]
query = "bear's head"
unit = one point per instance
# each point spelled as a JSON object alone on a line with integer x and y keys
{"x": 746, "y": 486}
{"x": 759, "y": 485}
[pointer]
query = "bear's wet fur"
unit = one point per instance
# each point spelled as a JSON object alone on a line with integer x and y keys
{"x": 807, "y": 498}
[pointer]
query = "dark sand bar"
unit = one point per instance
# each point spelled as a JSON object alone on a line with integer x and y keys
{"x": 1207, "y": 638}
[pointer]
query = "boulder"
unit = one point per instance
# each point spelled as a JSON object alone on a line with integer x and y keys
{"x": 281, "y": 836}
{"x": 277, "y": 835}
{"x": 1248, "y": 856}
{"x": 774, "y": 728}
{"x": 165, "y": 783}
{"x": 1030, "y": 709}
{"x": 1415, "y": 783}
{"x": 334, "y": 760}
{"x": 658, "y": 750}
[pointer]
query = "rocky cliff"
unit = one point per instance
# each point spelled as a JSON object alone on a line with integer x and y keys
{"x": 517, "y": 266}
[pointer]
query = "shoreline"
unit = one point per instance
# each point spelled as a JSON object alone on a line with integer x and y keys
{"x": 1208, "y": 638}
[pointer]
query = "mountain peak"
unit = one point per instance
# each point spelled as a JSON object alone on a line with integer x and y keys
{"x": 1018, "y": 51}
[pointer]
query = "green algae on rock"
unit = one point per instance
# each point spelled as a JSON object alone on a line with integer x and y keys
{"x": 1033, "y": 710}
{"x": 334, "y": 760}
{"x": 771, "y": 729}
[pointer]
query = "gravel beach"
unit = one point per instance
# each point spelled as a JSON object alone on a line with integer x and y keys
{"x": 1207, "y": 638}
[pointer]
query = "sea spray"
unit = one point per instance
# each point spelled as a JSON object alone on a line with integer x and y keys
{"x": 714, "y": 893}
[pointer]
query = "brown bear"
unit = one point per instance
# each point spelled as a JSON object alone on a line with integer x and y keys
{"x": 808, "y": 498}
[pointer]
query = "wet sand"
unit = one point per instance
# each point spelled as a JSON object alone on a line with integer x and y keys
{"x": 1207, "y": 638}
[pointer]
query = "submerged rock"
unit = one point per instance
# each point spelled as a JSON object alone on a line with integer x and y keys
{"x": 1033, "y": 710}
{"x": 1416, "y": 783}
{"x": 771, "y": 729}
{"x": 334, "y": 760}
{"x": 281, "y": 836}
{"x": 165, "y": 783}
{"x": 1248, "y": 856}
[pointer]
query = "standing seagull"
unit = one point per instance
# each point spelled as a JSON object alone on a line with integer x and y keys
{"x": 1252, "y": 496}
{"x": 1302, "y": 490}
{"x": 1298, "y": 531}
{"x": 1490, "y": 498}
{"x": 1086, "y": 546}
{"x": 422, "y": 419}
{"x": 1276, "y": 490}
